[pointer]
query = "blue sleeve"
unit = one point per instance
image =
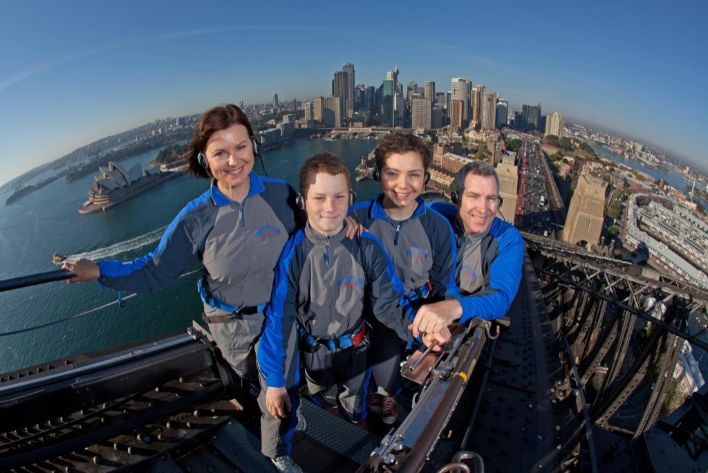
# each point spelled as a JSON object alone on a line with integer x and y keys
{"x": 447, "y": 210}
{"x": 280, "y": 315}
{"x": 386, "y": 292}
{"x": 493, "y": 301}
{"x": 444, "y": 245}
{"x": 153, "y": 272}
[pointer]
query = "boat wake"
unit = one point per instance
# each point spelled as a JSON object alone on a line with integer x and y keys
{"x": 121, "y": 247}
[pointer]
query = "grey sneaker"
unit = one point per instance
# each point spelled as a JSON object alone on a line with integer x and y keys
{"x": 286, "y": 464}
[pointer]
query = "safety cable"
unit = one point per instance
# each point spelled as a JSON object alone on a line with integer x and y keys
{"x": 81, "y": 314}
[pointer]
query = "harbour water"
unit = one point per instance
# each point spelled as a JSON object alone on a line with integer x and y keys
{"x": 47, "y": 221}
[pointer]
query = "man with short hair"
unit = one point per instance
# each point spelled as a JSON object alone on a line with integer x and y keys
{"x": 489, "y": 257}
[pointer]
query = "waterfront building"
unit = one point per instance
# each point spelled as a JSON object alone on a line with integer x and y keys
{"x": 461, "y": 90}
{"x": 488, "y": 114}
{"x": 429, "y": 90}
{"x": 508, "y": 174}
{"x": 421, "y": 113}
{"x": 477, "y": 92}
{"x": 328, "y": 111}
{"x": 554, "y": 124}
{"x": 677, "y": 240}
{"x": 587, "y": 210}
{"x": 502, "y": 113}
{"x": 457, "y": 114}
{"x": 309, "y": 108}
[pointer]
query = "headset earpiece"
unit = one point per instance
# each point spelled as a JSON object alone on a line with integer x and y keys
{"x": 375, "y": 175}
{"x": 352, "y": 197}
{"x": 426, "y": 179}
{"x": 256, "y": 151}
{"x": 501, "y": 201}
{"x": 201, "y": 159}
{"x": 300, "y": 201}
{"x": 455, "y": 197}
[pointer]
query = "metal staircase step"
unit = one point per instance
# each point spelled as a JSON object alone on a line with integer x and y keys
{"x": 337, "y": 434}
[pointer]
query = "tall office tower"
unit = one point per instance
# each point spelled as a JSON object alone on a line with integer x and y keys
{"x": 461, "y": 90}
{"x": 318, "y": 109}
{"x": 438, "y": 117}
{"x": 554, "y": 124}
{"x": 586, "y": 211}
{"x": 392, "y": 76}
{"x": 275, "y": 100}
{"x": 502, "y": 112}
{"x": 339, "y": 89}
{"x": 421, "y": 113}
{"x": 531, "y": 117}
{"x": 359, "y": 97}
{"x": 429, "y": 90}
{"x": 370, "y": 99}
{"x": 387, "y": 97}
{"x": 411, "y": 91}
{"x": 349, "y": 106}
{"x": 508, "y": 174}
{"x": 457, "y": 115}
{"x": 488, "y": 116}
{"x": 332, "y": 112}
{"x": 477, "y": 92}
{"x": 343, "y": 87}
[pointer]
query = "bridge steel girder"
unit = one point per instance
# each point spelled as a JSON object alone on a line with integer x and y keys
{"x": 598, "y": 333}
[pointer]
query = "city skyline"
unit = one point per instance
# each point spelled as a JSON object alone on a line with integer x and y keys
{"x": 71, "y": 75}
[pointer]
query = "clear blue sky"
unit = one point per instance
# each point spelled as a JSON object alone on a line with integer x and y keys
{"x": 75, "y": 71}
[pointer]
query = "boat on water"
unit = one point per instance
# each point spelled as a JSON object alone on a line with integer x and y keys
{"x": 114, "y": 185}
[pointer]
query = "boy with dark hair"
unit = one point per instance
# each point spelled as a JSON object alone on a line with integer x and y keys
{"x": 421, "y": 243}
{"x": 323, "y": 282}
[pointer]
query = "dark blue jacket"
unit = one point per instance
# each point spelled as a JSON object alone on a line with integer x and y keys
{"x": 326, "y": 285}
{"x": 237, "y": 243}
{"x": 502, "y": 252}
{"x": 423, "y": 247}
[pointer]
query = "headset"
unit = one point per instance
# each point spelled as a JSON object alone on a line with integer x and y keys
{"x": 201, "y": 158}
{"x": 300, "y": 200}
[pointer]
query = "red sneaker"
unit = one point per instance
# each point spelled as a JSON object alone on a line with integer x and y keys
{"x": 375, "y": 402}
{"x": 389, "y": 410}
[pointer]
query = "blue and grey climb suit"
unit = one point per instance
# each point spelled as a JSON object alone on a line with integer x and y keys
{"x": 324, "y": 286}
{"x": 488, "y": 269}
{"x": 238, "y": 245}
{"x": 424, "y": 250}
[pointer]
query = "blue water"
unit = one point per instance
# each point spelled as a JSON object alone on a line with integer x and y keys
{"x": 47, "y": 221}
{"x": 671, "y": 177}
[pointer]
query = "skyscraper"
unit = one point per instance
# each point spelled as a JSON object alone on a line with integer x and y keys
{"x": 457, "y": 118}
{"x": 531, "y": 116}
{"x": 502, "y": 112}
{"x": 275, "y": 100}
{"x": 461, "y": 90}
{"x": 421, "y": 113}
{"x": 429, "y": 90}
{"x": 586, "y": 210}
{"x": 387, "y": 94}
{"x": 554, "y": 124}
{"x": 488, "y": 113}
{"x": 343, "y": 87}
{"x": 477, "y": 92}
